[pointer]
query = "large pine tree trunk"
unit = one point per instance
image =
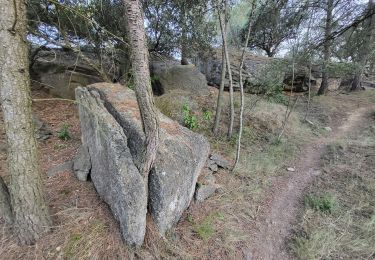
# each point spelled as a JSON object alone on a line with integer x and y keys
{"x": 143, "y": 90}
{"x": 365, "y": 50}
{"x": 30, "y": 213}
{"x": 327, "y": 48}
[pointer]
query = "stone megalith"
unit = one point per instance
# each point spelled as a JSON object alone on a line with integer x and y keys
{"x": 181, "y": 155}
{"x": 113, "y": 172}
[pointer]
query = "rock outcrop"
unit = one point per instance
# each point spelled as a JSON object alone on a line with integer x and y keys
{"x": 113, "y": 172}
{"x": 112, "y": 131}
{"x": 180, "y": 77}
{"x": 210, "y": 65}
{"x": 61, "y": 72}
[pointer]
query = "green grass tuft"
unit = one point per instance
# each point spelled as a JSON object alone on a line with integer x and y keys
{"x": 325, "y": 203}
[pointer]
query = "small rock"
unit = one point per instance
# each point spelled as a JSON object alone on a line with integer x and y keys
{"x": 212, "y": 165}
{"x": 42, "y": 131}
{"x": 328, "y": 129}
{"x": 220, "y": 161}
{"x": 58, "y": 249}
{"x": 291, "y": 169}
{"x": 203, "y": 192}
{"x": 82, "y": 164}
{"x": 66, "y": 166}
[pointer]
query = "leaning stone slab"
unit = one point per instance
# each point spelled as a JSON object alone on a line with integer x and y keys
{"x": 113, "y": 172}
{"x": 181, "y": 155}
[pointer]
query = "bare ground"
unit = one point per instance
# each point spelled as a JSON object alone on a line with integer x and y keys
{"x": 278, "y": 213}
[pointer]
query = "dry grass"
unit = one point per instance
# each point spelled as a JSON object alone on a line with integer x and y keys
{"x": 348, "y": 230}
{"x": 215, "y": 229}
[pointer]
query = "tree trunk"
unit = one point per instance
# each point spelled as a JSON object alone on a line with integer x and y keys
{"x": 184, "y": 38}
{"x": 241, "y": 89}
{"x": 30, "y": 212}
{"x": 225, "y": 46}
{"x": 143, "y": 89}
{"x": 5, "y": 208}
{"x": 365, "y": 51}
{"x": 221, "y": 90}
{"x": 327, "y": 48}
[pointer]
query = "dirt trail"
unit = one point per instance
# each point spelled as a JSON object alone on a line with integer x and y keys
{"x": 280, "y": 208}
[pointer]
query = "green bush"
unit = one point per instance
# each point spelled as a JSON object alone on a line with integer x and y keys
{"x": 63, "y": 133}
{"x": 207, "y": 115}
{"x": 190, "y": 120}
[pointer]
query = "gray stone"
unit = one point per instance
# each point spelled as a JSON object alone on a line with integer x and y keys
{"x": 212, "y": 165}
{"x": 184, "y": 77}
{"x": 42, "y": 131}
{"x": 82, "y": 164}
{"x": 220, "y": 161}
{"x": 204, "y": 191}
{"x": 55, "y": 170}
{"x": 181, "y": 154}
{"x": 113, "y": 173}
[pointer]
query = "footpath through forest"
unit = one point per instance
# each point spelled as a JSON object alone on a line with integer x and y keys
{"x": 280, "y": 209}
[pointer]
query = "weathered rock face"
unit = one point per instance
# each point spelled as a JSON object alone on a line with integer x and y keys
{"x": 180, "y": 156}
{"x": 61, "y": 73}
{"x": 183, "y": 77}
{"x": 210, "y": 65}
{"x": 82, "y": 163}
{"x": 114, "y": 174}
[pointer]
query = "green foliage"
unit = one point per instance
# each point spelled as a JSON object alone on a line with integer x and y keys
{"x": 190, "y": 120}
{"x": 325, "y": 203}
{"x": 154, "y": 79}
{"x": 189, "y": 218}
{"x": 206, "y": 229}
{"x": 269, "y": 79}
{"x": 273, "y": 22}
{"x": 63, "y": 133}
{"x": 276, "y": 95}
{"x": 207, "y": 115}
{"x": 341, "y": 69}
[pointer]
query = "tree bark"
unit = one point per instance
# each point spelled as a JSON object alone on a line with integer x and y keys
{"x": 143, "y": 89}
{"x": 5, "y": 208}
{"x": 327, "y": 48}
{"x": 30, "y": 212}
{"x": 219, "y": 104}
{"x": 225, "y": 47}
{"x": 365, "y": 51}
{"x": 238, "y": 152}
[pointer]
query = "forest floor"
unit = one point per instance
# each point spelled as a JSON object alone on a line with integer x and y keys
{"x": 261, "y": 213}
{"x": 283, "y": 201}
